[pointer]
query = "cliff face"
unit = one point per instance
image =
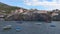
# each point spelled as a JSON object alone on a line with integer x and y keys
{"x": 29, "y": 17}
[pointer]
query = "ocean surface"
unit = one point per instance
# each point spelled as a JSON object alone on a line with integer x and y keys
{"x": 30, "y": 27}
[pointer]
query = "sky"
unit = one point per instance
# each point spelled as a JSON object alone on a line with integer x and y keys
{"x": 34, "y": 4}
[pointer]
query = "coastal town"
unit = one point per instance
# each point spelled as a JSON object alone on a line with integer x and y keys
{"x": 30, "y": 15}
{"x": 13, "y": 13}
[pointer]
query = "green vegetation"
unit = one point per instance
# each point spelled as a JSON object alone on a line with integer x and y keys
{"x": 7, "y": 8}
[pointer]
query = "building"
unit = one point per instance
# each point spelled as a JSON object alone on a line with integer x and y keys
{"x": 53, "y": 14}
{"x": 40, "y": 11}
{"x": 19, "y": 11}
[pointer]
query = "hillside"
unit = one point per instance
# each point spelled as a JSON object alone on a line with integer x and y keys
{"x": 7, "y": 8}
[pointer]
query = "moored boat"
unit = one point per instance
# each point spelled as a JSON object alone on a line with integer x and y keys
{"x": 7, "y": 27}
{"x": 52, "y": 25}
{"x": 18, "y": 29}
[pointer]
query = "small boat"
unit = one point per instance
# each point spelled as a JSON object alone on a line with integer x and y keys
{"x": 7, "y": 27}
{"x": 18, "y": 29}
{"x": 52, "y": 25}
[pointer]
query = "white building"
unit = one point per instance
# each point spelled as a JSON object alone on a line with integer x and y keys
{"x": 19, "y": 11}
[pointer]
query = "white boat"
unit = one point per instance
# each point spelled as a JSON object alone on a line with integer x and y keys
{"x": 7, "y": 27}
